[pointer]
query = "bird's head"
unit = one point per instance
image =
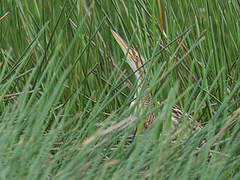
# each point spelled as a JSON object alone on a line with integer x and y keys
{"x": 134, "y": 59}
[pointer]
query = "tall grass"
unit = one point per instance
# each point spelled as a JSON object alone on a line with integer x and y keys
{"x": 65, "y": 89}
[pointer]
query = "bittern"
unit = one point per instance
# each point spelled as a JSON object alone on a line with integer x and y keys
{"x": 136, "y": 62}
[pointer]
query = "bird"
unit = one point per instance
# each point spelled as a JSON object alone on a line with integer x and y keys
{"x": 136, "y": 62}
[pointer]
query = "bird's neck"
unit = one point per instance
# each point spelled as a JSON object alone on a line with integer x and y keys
{"x": 137, "y": 67}
{"x": 138, "y": 71}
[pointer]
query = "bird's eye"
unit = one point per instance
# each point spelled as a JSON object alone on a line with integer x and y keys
{"x": 134, "y": 53}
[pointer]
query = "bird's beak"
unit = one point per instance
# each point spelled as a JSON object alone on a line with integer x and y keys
{"x": 130, "y": 52}
{"x": 124, "y": 46}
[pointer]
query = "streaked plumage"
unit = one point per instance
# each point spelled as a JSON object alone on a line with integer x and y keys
{"x": 135, "y": 61}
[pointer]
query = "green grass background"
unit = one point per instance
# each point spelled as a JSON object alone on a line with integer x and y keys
{"x": 65, "y": 89}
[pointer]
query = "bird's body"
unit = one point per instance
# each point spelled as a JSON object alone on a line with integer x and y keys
{"x": 136, "y": 61}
